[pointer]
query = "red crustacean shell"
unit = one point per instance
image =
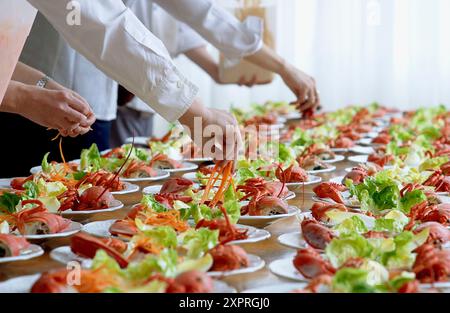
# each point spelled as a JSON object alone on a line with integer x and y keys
{"x": 357, "y": 175}
{"x": 103, "y": 179}
{"x": 55, "y": 223}
{"x": 228, "y": 257}
{"x": 439, "y": 234}
{"x": 162, "y": 160}
{"x": 432, "y": 264}
{"x": 227, "y": 231}
{"x": 14, "y": 244}
{"x": 176, "y": 185}
{"x": 311, "y": 265}
{"x": 191, "y": 282}
{"x": 138, "y": 169}
{"x": 315, "y": 234}
{"x": 319, "y": 210}
{"x": 87, "y": 246}
{"x": 17, "y": 183}
{"x": 330, "y": 190}
{"x": 293, "y": 174}
{"x": 94, "y": 198}
{"x": 123, "y": 228}
{"x": 168, "y": 199}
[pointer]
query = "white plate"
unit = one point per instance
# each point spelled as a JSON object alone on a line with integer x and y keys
{"x": 101, "y": 229}
{"x": 358, "y": 158}
{"x": 187, "y": 167}
{"x": 292, "y": 116}
{"x": 347, "y": 203}
{"x": 161, "y": 176}
{"x": 337, "y": 158}
{"x": 372, "y": 134}
{"x": 38, "y": 169}
{"x": 277, "y": 288}
{"x": 191, "y": 176}
{"x": 155, "y": 189}
{"x": 362, "y": 150}
{"x": 5, "y": 183}
{"x": 339, "y": 150}
{"x": 285, "y": 268}
{"x": 269, "y": 218}
{"x": 293, "y": 240}
{"x": 199, "y": 160}
{"x": 33, "y": 251}
{"x": 24, "y": 284}
{"x": 142, "y": 141}
{"x": 311, "y": 181}
{"x": 256, "y": 263}
{"x": 115, "y": 205}
{"x": 129, "y": 188}
{"x": 64, "y": 255}
{"x": 337, "y": 179}
{"x": 72, "y": 230}
{"x": 326, "y": 170}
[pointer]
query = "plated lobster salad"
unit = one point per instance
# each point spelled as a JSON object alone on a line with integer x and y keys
{"x": 382, "y": 227}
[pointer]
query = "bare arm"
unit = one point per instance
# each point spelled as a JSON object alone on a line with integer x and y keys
{"x": 301, "y": 84}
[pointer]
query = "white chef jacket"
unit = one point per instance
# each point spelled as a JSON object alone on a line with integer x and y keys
{"x": 114, "y": 39}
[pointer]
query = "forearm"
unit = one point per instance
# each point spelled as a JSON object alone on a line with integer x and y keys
{"x": 269, "y": 60}
{"x": 13, "y": 97}
{"x": 205, "y": 61}
{"x": 26, "y": 74}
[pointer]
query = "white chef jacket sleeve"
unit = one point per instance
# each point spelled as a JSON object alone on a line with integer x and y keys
{"x": 187, "y": 39}
{"x": 223, "y": 30}
{"x": 114, "y": 39}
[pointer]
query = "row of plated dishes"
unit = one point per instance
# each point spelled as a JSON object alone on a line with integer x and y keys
{"x": 189, "y": 229}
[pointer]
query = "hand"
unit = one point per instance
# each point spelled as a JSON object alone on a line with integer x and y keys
{"x": 304, "y": 87}
{"x": 63, "y": 110}
{"x": 216, "y": 131}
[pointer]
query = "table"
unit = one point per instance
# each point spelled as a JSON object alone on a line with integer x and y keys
{"x": 269, "y": 249}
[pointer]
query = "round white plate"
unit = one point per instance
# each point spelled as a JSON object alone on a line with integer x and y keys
{"x": 293, "y": 240}
{"x": 339, "y": 150}
{"x": 129, "y": 188}
{"x": 191, "y": 176}
{"x": 101, "y": 229}
{"x": 371, "y": 135}
{"x": 142, "y": 141}
{"x": 155, "y": 189}
{"x": 64, "y": 255}
{"x": 362, "y": 150}
{"x": 33, "y": 251}
{"x": 311, "y": 181}
{"x": 73, "y": 229}
{"x": 347, "y": 203}
{"x": 198, "y": 160}
{"x": 5, "y": 183}
{"x": 187, "y": 167}
{"x": 358, "y": 158}
{"x": 326, "y": 170}
{"x": 278, "y": 288}
{"x": 285, "y": 268}
{"x": 24, "y": 284}
{"x": 161, "y": 176}
{"x": 269, "y": 218}
{"x": 337, "y": 179}
{"x": 115, "y": 205}
{"x": 256, "y": 263}
{"x": 337, "y": 158}
{"x": 292, "y": 116}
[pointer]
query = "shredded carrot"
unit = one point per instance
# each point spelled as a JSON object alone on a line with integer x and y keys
{"x": 210, "y": 183}
{"x": 61, "y": 150}
{"x": 170, "y": 218}
{"x": 224, "y": 185}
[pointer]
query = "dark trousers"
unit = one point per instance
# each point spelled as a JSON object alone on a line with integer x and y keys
{"x": 24, "y": 143}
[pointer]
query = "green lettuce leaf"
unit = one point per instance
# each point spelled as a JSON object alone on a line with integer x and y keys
{"x": 198, "y": 242}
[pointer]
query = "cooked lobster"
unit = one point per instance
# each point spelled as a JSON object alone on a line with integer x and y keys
{"x": 311, "y": 265}
{"x": 11, "y": 245}
{"x": 228, "y": 258}
{"x": 315, "y": 234}
{"x": 330, "y": 190}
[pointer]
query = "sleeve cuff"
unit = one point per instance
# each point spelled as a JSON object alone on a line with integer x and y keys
{"x": 253, "y": 29}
